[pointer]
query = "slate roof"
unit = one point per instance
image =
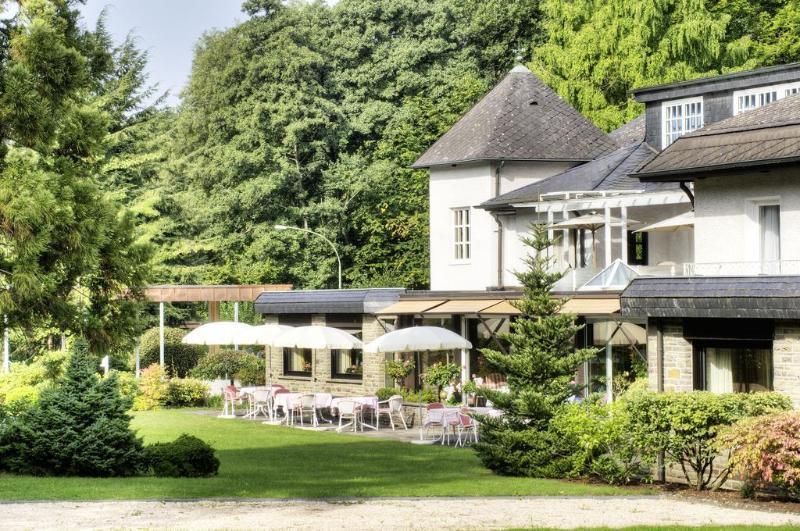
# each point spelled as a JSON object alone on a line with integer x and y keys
{"x": 607, "y": 173}
{"x": 363, "y": 301}
{"x": 519, "y": 119}
{"x": 769, "y": 297}
{"x": 629, "y": 133}
{"x": 764, "y": 136}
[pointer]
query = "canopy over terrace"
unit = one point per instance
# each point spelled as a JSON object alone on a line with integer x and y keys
{"x": 211, "y": 295}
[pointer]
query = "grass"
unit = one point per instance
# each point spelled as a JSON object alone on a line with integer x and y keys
{"x": 259, "y": 461}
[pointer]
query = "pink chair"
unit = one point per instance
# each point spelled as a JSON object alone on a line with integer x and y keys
{"x": 466, "y": 427}
{"x": 275, "y": 393}
{"x": 231, "y": 397}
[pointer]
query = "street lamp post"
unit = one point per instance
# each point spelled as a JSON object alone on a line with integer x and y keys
{"x": 335, "y": 251}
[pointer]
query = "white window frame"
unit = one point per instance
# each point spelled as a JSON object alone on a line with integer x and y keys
{"x": 753, "y": 230}
{"x": 757, "y": 95}
{"x": 461, "y": 219}
{"x": 684, "y": 119}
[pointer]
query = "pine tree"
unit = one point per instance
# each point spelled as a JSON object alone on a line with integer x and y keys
{"x": 81, "y": 427}
{"x": 539, "y": 367}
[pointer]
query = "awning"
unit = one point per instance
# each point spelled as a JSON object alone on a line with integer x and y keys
{"x": 501, "y": 308}
{"x": 591, "y": 306}
{"x": 677, "y": 223}
{"x": 409, "y": 307}
{"x": 328, "y": 301}
{"x": 468, "y": 306}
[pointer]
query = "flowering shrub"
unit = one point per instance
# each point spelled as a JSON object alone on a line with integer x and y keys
{"x": 399, "y": 370}
{"x": 765, "y": 451}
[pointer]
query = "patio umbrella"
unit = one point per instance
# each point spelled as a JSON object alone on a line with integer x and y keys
{"x": 318, "y": 337}
{"x": 677, "y": 223}
{"x": 219, "y": 333}
{"x": 590, "y": 222}
{"x": 266, "y": 335}
{"x": 419, "y": 339}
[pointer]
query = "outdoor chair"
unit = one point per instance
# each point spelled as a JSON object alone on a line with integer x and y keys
{"x": 348, "y": 410}
{"x": 261, "y": 401}
{"x": 450, "y": 423}
{"x": 391, "y": 408}
{"x": 302, "y": 405}
{"x": 435, "y": 417}
{"x": 231, "y": 397}
{"x": 276, "y": 392}
{"x": 466, "y": 428}
{"x": 322, "y": 402}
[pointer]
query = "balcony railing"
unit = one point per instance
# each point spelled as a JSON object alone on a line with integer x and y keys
{"x": 576, "y": 278}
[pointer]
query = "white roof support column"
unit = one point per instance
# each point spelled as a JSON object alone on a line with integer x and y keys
{"x": 550, "y": 231}
{"x": 607, "y": 234}
{"x": 623, "y": 214}
{"x": 6, "y": 347}
{"x": 161, "y": 333}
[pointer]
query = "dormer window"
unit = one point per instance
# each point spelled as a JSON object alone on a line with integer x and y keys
{"x": 681, "y": 117}
{"x": 747, "y": 100}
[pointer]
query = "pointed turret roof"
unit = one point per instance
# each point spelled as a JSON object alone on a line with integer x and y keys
{"x": 519, "y": 119}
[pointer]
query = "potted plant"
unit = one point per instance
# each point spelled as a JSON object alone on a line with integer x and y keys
{"x": 399, "y": 370}
{"x": 440, "y": 375}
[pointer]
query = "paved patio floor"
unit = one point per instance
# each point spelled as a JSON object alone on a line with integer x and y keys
{"x": 385, "y": 514}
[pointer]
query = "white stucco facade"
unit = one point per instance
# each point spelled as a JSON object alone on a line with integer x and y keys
{"x": 467, "y": 186}
{"x": 727, "y": 230}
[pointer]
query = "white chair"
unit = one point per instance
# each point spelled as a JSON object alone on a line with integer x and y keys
{"x": 466, "y": 428}
{"x": 348, "y": 410}
{"x": 302, "y": 405}
{"x": 391, "y": 407}
{"x": 322, "y": 402}
{"x": 260, "y": 401}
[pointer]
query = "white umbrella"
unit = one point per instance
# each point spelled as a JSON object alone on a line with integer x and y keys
{"x": 266, "y": 335}
{"x": 418, "y": 339}
{"x": 318, "y": 337}
{"x": 683, "y": 221}
{"x": 591, "y": 222}
{"x": 219, "y": 333}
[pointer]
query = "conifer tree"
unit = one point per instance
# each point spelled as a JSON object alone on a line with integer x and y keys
{"x": 81, "y": 427}
{"x": 539, "y": 368}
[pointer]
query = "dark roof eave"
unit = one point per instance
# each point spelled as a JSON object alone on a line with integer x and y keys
{"x": 699, "y": 85}
{"x": 416, "y": 166}
{"x": 689, "y": 174}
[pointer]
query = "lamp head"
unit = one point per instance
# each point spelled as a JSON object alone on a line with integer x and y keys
{"x": 280, "y": 227}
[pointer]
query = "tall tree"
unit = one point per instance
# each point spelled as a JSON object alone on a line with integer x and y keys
{"x": 67, "y": 254}
{"x": 596, "y": 51}
{"x": 539, "y": 366}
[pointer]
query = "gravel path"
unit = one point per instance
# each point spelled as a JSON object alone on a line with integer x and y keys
{"x": 383, "y": 514}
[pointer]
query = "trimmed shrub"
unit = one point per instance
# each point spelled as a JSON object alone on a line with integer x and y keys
{"x": 186, "y": 456}
{"x": 20, "y": 388}
{"x": 232, "y": 364}
{"x": 765, "y": 452}
{"x": 426, "y": 395}
{"x": 20, "y": 399}
{"x": 127, "y": 384}
{"x": 685, "y": 425}
{"x": 153, "y": 388}
{"x": 440, "y": 375}
{"x": 179, "y": 359}
{"x": 186, "y": 392}
{"x": 80, "y": 427}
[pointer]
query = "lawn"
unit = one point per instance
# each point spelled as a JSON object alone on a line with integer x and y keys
{"x": 259, "y": 461}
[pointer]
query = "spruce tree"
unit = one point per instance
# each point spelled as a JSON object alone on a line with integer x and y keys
{"x": 539, "y": 368}
{"x": 81, "y": 427}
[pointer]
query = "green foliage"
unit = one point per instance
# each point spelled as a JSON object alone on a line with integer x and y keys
{"x": 78, "y": 428}
{"x": 595, "y": 51}
{"x": 685, "y": 425}
{"x": 186, "y": 392}
{"x": 126, "y": 383}
{"x": 20, "y": 388}
{"x": 232, "y": 364}
{"x": 398, "y": 370}
{"x": 179, "y": 359}
{"x": 539, "y": 369}
{"x": 426, "y": 396}
{"x": 764, "y": 452}
{"x": 153, "y": 388}
{"x": 186, "y": 456}
{"x": 440, "y": 375}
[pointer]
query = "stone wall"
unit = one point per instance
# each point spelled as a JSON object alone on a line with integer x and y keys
{"x": 677, "y": 356}
{"x": 786, "y": 360}
{"x": 373, "y": 377}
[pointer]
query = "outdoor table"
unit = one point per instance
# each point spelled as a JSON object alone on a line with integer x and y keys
{"x": 440, "y": 416}
{"x": 370, "y": 402}
{"x": 285, "y": 400}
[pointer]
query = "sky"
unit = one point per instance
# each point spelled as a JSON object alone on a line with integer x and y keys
{"x": 168, "y": 29}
